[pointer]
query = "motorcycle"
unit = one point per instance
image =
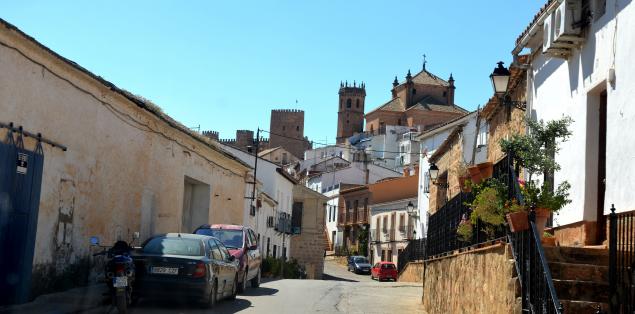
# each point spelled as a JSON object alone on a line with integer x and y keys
{"x": 119, "y": 272}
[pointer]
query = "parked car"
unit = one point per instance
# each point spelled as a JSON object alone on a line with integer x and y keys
{"x": 242, "y": 243}
{"x": 359, "y": 264}
{"x": 196, "y": 267}
{"x": 384, "y": 270}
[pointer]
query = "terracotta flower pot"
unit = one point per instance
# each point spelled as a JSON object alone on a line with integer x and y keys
{"x": 486, "y": 169}
{"x": 542, "y": 215}
{"x": 550, "y": 241}
{"x": 475, "y": 174}
{"x": 465, "y": 186}
{"x": 518, "y": 221}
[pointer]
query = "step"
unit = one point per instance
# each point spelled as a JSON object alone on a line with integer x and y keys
{"x": 581, "y": 290}
{"x": 583, "y": 272}
{"x": 583, "y": 307}
{"x": 577, "y": 255}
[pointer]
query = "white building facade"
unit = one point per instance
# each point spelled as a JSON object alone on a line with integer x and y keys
{"x": 474, "y": 143}
{"x": 594, "y": 84}
{"x": 274, "y": 197}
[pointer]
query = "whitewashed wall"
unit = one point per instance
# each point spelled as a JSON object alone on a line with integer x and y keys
{"x": 558, "y": 87}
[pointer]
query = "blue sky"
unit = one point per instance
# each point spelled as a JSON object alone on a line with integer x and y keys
{"x": 224, "y": 65}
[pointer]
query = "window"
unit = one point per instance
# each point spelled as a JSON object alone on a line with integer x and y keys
{"x": 216, "y": 254}
{"x": 348, "y": 103}
{"x": 223, "y": 251}
{"x": 482, "y": 136}
{"x": 414, "y": 91}
{"x": 275, "y": 248}
{"x": 426, "y": 183}
{"x": 357, "y": 103}
{"x": 402, "y": 223}
{"x": 297, "y": 128}
{"x": 599, "y": 8}
{"x": 268, "y": 242}
{"x": 174, "y": 246}
{"x": 445, "y": 94}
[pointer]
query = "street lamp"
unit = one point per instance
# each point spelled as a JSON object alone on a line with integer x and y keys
{"x": 434, "y": 172}
{"x": 500, "y": 81}
{"x": 434, "y": 175}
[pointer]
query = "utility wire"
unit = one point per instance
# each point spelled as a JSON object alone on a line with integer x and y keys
{"x": 339, "y": 145}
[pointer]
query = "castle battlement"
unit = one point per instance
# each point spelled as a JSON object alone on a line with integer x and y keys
{"x": 287, "y": 111}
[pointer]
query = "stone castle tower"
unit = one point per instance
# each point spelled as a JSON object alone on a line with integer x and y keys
{"x": 287, "y": 130}
{"x": 350, "y": 115}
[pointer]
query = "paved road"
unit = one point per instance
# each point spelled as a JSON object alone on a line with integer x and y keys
{"x": 341, "y": 292}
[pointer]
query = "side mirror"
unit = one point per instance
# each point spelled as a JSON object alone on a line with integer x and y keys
{"x": 231, "y": 258}
{"x": 94, "y": 241}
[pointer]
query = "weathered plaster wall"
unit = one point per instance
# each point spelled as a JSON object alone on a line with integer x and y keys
{"x": 124, "y": 169}
{"x": 473, "y": 282}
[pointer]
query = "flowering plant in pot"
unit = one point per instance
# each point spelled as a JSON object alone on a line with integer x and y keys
{"x": 535, "y": 152}
{"x": 463, "y": 175}
{"x": 489, "y": 207}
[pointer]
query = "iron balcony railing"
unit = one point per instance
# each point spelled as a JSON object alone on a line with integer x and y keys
{"x": 538, "y": 292}
{"x": 414, "y": 251}
{"x": 621, "y": 262}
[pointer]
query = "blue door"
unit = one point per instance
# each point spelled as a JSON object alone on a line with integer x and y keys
{"x": 20, "y": 183}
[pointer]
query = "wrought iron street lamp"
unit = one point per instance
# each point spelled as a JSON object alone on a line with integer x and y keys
{"x": 434, "y": 175}
{"x": 500, "y": 81}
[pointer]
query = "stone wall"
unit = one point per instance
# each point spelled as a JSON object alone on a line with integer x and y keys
{"x": 412, "y": 273}
{"x": 480, "y": 281}
{"x": 447, "y": 163}
{"x": 308, "y": 247}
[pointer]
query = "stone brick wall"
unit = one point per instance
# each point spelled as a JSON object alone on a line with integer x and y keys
{"x": 287, "y": 130}
{"x": 412, "y": 273}
{"x": 480, "y": 281}
{"x": 500, "y": 128}
{"x": 447, "y": 164}
{"x": 308, "y": 247}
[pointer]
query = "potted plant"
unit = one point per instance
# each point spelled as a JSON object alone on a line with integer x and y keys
{"x": 463, "y": 175}
{"x": 486, "y": 169}
{"x": 535, "y": 152}
{"x": 548, "y": 239}
{"x": 517, "y": 217}
{"x": 464, "y": 230}
{"x": 488, "y": 207}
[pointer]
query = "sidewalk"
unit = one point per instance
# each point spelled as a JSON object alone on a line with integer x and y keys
{"x": 70, "y": 301}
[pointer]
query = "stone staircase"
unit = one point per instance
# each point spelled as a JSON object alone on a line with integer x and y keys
{"x": 580, "y": 277}
{"x": 328, "y": 246}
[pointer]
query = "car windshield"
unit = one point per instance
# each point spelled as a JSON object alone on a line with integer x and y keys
{"x": 231, "y": 238}
{"x": 173, "y": 246}
{"x": 361, "y": 260}
{"x": 388, "y": 266}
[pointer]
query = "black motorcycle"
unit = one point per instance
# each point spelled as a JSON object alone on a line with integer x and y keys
{"x": 119, "y": 272}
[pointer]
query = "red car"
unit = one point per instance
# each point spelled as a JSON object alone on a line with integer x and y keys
{"x": 384, "y": 270}
{"x": 242, "y": 243}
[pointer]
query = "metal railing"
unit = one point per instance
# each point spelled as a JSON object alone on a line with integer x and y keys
{"x": 537, "y": 288}
{"x": 538, "y": 292}
{"x": 621, "y": 262}
{"x": 414, "y": 251}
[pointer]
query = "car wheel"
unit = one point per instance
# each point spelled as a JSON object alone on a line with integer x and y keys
{"x": 243, "y": 285}
{"x": 234, "y": 288}
{"x": 255, "y": 282}
{"x": 213, "y": 297}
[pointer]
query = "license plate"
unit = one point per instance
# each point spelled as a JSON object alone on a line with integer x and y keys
{"x": 165, "y": 270}
{"x": 119, "y": 282}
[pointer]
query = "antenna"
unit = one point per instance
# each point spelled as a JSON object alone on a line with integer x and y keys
{"x": 424, "y": 61}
